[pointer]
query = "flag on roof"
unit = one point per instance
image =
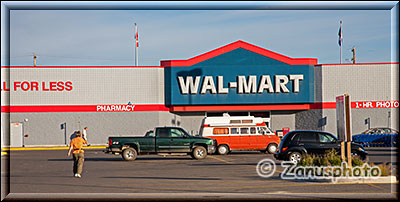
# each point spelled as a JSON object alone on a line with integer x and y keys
{"x": 340, "y": 34}
{"x": 136, "y": 36}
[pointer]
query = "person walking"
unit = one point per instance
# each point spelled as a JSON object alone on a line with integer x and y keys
{"x": 78, "y": 153}
{"x": 84, "y": 134}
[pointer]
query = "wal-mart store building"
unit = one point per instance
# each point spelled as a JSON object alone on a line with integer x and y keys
{"x": 44, "y": 105}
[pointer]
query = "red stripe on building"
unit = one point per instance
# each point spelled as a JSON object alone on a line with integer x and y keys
{"x": 120, "y": 108}
{"x": 320, "y": 105}
{"x": 81, "y": 108}
{"x": 100, "y": 67}
{"x": 241, "y": 107}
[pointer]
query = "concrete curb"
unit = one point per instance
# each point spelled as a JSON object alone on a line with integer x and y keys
{"x": 382, "y": 180}
{"x": 378, "y": 180}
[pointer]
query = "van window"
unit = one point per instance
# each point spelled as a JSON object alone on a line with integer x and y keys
{"x": 262, "y": 130}
{"x": 247, "y": 121}
{"x": 220, "y": 131}
{"x": 234, "y": 131}
{"x": 253, "y": 130}
{"x": 235, "y": 121}
{"x": 244, "y": 130}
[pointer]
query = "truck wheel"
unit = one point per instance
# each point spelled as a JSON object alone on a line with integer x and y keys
{"x": 129, "y": 154}
{"x": 272, "y": 148}
{"x": 199, "y": 153}
{"x": 223, "y": 149}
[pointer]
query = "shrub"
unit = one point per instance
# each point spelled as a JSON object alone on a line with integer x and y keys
{"x": 331, "y": 153}
{"x": 306, "y": 160}
{"x": 333, "y": 158}
{"x": 356, "y": 161}
{"x": 320, "y": 161}
{"x": 385, "y": 169}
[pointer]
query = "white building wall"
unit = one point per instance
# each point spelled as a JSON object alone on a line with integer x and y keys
{"x": 90, "y": 86}
{"x": 362, "y": 82}
{"x": 368, "y": 82}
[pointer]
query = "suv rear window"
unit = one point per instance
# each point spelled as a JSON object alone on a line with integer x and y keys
{"x": 295, "y": 138}
{"x": 308, "y": 137}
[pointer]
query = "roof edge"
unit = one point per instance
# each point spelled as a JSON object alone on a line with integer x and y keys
{"x": 379, "y": 63}
{"x": 233, "y": 46}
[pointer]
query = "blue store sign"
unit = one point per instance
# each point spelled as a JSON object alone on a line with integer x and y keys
{"x": 239, "y": 73}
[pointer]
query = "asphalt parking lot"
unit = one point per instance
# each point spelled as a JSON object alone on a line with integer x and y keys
{"x": 48, "y": 175}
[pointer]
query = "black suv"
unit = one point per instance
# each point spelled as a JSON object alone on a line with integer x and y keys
{"x": 296, "y": 143}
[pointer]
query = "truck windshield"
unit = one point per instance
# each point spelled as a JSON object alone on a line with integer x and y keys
{"x": 186, "y": 133}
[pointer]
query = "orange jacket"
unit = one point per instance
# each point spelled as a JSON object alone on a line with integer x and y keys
{"x": 77, "y": 144}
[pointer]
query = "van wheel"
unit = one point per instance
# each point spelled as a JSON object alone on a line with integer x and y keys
{"x": 223, "y": 149}
{"x": 199, "y": 153}
{"x": 272, "y": 148}
{"x": 129, "y": 154}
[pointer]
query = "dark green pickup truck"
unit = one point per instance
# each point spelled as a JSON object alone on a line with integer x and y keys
{"x": 166, "y": 140}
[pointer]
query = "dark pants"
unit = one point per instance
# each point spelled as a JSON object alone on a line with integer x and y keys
{"x": 79, "y": 158}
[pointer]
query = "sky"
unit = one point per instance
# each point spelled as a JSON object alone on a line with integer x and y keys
{"x": 106, "y": 37}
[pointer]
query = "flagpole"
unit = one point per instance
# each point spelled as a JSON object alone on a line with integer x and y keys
{"x": 341, "y": 42}
{"x": 136, "y": 46}
{"x": 340, "y": 54}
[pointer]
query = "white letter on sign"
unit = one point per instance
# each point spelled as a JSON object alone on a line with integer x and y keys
{"x": 280, "y": 83}
{"x": 189, "y": 84}
{"x": 251, "y": 85}
{"x": 266, "y": 84}
{"x": 296, "y": 81}
{"x": 208, "y": 84}
{"x": 221, "y": 88}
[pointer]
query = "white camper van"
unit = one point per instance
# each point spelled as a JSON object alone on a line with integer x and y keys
{"x": 240, "y": 133}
